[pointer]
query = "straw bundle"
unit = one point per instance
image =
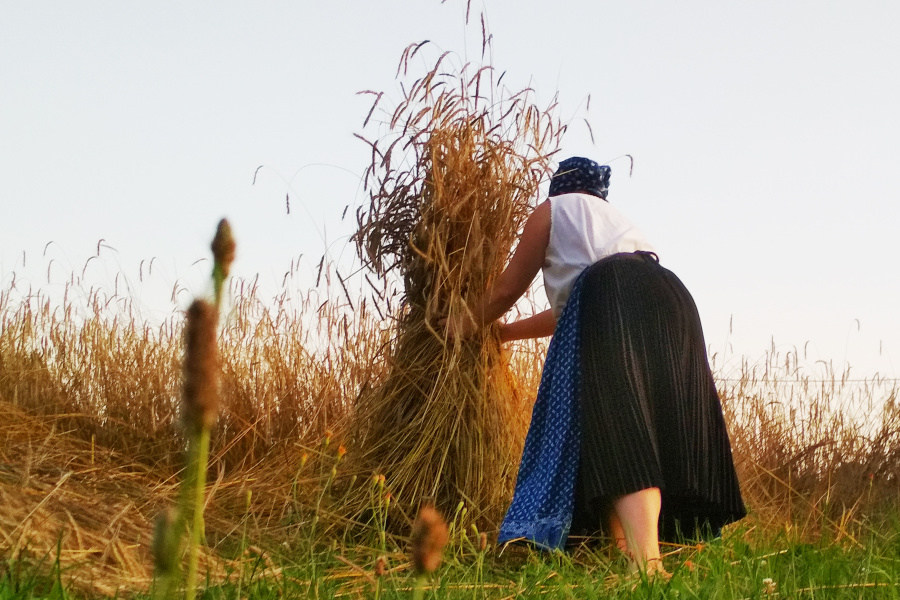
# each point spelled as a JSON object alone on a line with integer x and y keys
{"x": 450, "y": 185}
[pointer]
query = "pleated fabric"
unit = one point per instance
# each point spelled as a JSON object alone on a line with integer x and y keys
{"x": 650, "y": 412}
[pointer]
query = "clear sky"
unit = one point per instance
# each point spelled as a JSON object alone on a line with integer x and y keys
{"x": 766, "y": 139}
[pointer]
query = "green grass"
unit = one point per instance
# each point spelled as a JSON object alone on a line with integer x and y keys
{"x": 740, "y": 565}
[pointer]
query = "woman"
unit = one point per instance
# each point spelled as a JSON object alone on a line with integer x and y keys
{"x": 627, "y": 434}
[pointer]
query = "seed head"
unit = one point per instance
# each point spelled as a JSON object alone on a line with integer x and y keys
{"x": 223, "y": 248}
{"x": 429, "y": 536}
{"x": 482, "y": 542}
{"x": 381, "y": 566}
{"x": 201, "y": 367}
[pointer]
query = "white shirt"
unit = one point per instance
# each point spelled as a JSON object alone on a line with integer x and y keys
{"x": 583, "y": 230}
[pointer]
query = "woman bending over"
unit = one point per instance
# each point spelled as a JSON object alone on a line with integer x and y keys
{"x": 627, "y": 435}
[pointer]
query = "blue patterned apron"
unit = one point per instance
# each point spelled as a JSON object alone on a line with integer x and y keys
{"x": 541, "y": 509}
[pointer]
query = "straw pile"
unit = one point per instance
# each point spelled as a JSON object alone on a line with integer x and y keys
{"x": 450, "y": 183}
{"x": 64, "y": 499}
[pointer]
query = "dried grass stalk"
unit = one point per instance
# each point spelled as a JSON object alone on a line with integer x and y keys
{"x": 450, "y": 185}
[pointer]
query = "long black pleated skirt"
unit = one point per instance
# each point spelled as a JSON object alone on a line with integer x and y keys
{"x": 651, "y": 416}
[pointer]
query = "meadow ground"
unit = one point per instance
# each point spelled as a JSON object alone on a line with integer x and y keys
{"x": 92, "y": 452}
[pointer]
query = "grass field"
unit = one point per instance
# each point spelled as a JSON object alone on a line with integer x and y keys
{"x": 92, "y": 452}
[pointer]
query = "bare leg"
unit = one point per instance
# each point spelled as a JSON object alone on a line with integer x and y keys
{"x": 638, "y": 514}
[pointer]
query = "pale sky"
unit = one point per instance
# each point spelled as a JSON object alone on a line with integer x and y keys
{"x": 766, "y": 139}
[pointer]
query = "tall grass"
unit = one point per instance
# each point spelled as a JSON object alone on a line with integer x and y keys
{"x": 812, "y": 445}
{"x": 89, "y": 403}
{"x": 114, "y": 382}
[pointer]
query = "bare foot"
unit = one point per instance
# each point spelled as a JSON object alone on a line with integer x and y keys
{"x": 655, "y": 568}
{"x": 652, "y": 568}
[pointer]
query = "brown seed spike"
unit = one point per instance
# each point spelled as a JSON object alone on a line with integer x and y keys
{"x": 381, "y": 566}
{"x": 429, "y": 536}
{"x": 223, "y": 247}
{"x": 201, "y": 366}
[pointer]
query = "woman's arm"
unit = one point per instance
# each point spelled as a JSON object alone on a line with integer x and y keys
{"x": 539, "y": 325}
{"x": 525, "y": 263}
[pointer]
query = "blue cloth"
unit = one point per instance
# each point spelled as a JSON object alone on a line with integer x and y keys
{"x": 578, "y": 174}
{"x": 541, "y": 509}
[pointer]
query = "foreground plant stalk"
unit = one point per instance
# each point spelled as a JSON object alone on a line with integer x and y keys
{"x": 200, "y": 406}
{"x": 201, "y": 400}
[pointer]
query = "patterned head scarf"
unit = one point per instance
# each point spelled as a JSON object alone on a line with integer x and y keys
{"x": 579, "y": 174}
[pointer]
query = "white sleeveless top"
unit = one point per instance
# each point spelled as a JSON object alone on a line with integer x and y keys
{"x": 583, "y": 229}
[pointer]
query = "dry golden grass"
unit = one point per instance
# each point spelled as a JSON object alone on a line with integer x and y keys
{"x": 812, "y": 447}
{"x": 804, "y": 450}
{"x": 86, "y": 505}
{"x": 117, "y": 381}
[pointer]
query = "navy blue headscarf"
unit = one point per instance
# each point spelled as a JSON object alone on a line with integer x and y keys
{"x": 579, "y": 174}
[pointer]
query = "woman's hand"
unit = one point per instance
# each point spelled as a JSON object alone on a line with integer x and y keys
{"x": 540, "y": 325}
{"x": 525, "y": 263}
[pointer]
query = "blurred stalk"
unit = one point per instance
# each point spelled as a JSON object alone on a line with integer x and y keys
{"x": 200, "y": 406}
